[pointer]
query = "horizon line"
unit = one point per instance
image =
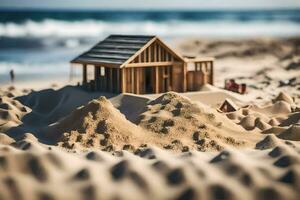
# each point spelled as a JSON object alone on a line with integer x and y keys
{"x": 153, "y": 10}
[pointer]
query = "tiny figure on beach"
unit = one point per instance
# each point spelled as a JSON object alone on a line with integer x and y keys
{"x": 12, "y": 76}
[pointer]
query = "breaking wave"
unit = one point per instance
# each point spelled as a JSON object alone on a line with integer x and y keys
{"x": 172, "y": 28}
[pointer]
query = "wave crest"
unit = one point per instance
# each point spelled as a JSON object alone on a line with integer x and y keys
{"x": 171, "y": 28}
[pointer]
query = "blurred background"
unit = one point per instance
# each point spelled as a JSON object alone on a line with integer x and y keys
{"x": 39, "y": 38}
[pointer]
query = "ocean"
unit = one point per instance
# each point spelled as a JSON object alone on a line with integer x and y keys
{"x": 39, "y": 44}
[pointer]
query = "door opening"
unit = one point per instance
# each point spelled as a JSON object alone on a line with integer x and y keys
{"x": 148, "y": 80}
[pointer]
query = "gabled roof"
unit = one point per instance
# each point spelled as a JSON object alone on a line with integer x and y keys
{"x": 115, "y": 50}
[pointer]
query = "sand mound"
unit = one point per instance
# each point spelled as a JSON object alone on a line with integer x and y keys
{"x": 278, "y": 108}
{"x": 292, "y": 133}
{"x": 284, "y": 97}
{"x": 97, "y": 124}
{"x": 11, "y": 113}
{"x": 293, "y": 118}
{"x": 5, "y": 139}
{"x": 178, "y": 118}
{"x": 259, "y": 123}
{"x": 275, "y": 130}
{"x": 248, "y": 122}
{"x": 273, "y": 122}
{"x": 266, "y": 117}
{"x": 101, "y": 125}
{"x": 270, "y": 141}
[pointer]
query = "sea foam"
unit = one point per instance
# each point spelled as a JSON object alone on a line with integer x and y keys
{"x": 169, "y": 28}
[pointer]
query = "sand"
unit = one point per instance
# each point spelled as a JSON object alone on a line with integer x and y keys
{"x": 66, "y": 143}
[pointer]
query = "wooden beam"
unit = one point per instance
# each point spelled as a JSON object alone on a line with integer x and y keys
{"x": 149, "y": 54}
{"x": 155, "y": 52}
{"x": 184, "y": 74}
{"x": 200, "y": 59}
{"x": 143, "y": 82}
{"x": 99, "y": 64}
{"x": 159, "y": 54}
{"x": 156, "y": 87}
{"x": 169, "y": 78}
{"x": 145, "y": 55}
{"x": 96, "y": 77}
{"x": 123, "y": 80}
{"x": 137, "y": 80}
{"x": 132, "y": 80}
{"x": 212, "y": 72}
{"x": 151, "y": 64}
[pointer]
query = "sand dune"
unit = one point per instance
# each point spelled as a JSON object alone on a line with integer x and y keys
{"x": 179, "y": 118}
{"x": 171, "y": 121}
{"x": 96, "y": 124}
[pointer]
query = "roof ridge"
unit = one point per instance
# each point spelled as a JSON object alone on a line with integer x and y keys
{"x": 131, "y": 35}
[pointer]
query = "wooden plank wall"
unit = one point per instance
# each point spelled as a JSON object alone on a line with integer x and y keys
{"x": 162, "y": 76}
{"x": 154, "y": 53}
{"x": 110, "y": 82}
{"x": 203, "y": 74}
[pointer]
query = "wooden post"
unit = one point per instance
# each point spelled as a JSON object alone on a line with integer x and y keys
{"x": 132, "y": 79}
{"x": 145, "y": 55}
{"x": 159, "y": 53}
{"x": 170, "y": 87}
{"x": 149, "y": 54}
{"x": 123, "y": 78}
{"x": 155, "y": 52}
{"x": 143, "y": 81}
{"x": 96, "y": 77}
{"x": 184, "y": 70}
{"x": 84, "y": 74}
{"x": 156, "y": 88}
{"x": 212, "y": 72}
{"x": 137, "y": 80}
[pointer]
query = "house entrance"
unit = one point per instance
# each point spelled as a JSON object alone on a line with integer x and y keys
{"x": 149, "y": 79}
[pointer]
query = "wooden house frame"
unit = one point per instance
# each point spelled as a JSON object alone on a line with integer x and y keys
{"x": 141, "y": 65}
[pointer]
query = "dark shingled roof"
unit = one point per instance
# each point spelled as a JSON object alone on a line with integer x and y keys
{"x": 115, "y": 49}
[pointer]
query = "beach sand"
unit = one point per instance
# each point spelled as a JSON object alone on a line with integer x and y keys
{"x": 61, "y": 142}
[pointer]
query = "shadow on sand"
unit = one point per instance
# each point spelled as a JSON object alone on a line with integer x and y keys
{"x": 49, "y": 106}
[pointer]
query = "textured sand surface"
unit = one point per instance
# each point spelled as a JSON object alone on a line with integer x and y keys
{"x": 31, "y": 171}
{"x": 71, "y": 144}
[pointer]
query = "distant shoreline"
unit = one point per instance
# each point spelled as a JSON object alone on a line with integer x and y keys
{"x": 148, "y": 10}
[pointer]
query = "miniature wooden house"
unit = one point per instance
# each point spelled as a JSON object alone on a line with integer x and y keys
{"x": 142, "y": 65}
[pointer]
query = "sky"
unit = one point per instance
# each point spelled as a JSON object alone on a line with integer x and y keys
{"x": 150, "y": 4}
